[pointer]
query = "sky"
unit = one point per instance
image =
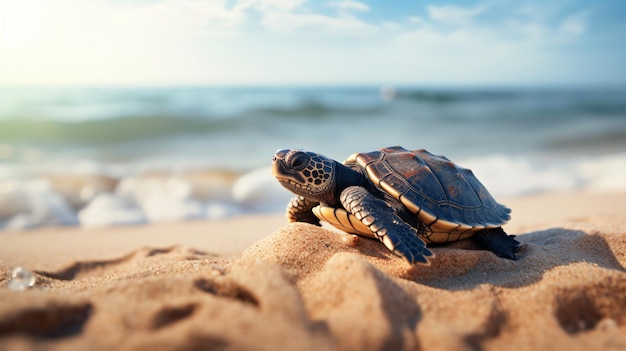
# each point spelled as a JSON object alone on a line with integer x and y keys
{"x": 287, "y": 42}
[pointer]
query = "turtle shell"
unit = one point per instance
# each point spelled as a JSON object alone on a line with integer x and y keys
{"x": 447, "y": 198}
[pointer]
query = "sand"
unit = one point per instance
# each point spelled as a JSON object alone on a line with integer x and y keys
{"x": 256, "y": 283}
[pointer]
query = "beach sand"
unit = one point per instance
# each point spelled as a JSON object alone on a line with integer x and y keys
{"x": 257, "y": 283}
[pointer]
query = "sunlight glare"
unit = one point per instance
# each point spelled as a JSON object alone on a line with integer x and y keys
{"x": 21, "y": 24}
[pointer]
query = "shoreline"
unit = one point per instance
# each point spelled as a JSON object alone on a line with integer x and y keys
{"x": 230, "y": 237}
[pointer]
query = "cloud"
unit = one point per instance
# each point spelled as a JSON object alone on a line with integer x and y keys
{"x": 270, "y": 5}
{"x": 319, "y": 24}
{"x": 349, "y": 5}
{"x": 416, "y": 19}
{"x": 575, "y": 24}
{"x": 294, "y": 18}
{"x": 450, "y": 13}
{"x": 504, "y": 45}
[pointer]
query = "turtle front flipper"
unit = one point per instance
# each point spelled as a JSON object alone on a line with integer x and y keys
{"x": 383, "y": 221}
{"x": 299, "y": 210}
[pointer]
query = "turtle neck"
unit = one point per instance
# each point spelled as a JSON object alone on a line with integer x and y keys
{"x": 345, "y": 177}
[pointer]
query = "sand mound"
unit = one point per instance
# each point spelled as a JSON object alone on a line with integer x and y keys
{"x": 304, "y": 288}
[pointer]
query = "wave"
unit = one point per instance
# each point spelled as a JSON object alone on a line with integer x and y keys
{"x": 105, "y": 131}
{"x": 447, "y": 96}
{"x": 609, "y": 139}
{"x": 140, "y": 126}
{"x": 90, "y": 200}
{"x": 315, "y": 110}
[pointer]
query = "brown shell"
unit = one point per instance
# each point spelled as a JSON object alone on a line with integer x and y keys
{"x": 447, "y": 198}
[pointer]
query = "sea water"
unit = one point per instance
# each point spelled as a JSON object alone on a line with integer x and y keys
{"x": 118, "y": 156}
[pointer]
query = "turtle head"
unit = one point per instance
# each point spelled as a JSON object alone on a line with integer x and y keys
{"x": 306, "y": 173}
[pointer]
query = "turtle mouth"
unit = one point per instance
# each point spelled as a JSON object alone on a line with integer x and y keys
{"x": 287, "y": 176}
{"x": 293, "y": 185}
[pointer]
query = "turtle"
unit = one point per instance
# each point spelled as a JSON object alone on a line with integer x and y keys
{"x": 404, "y": 198}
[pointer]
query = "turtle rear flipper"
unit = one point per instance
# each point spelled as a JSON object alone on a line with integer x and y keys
{"x": 498, "y": 241}
{"x": 385, "y": 224}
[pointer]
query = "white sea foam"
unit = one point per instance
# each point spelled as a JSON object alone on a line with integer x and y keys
{"x": 604, "y": 174}
{"x": 258, "y": 191}
{"x": 107, "y": 209}
{"x": 510, "y": 176}
{"x": 33, "y": 203}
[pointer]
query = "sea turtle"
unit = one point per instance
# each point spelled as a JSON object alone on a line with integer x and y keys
{"x": 403, "y": 198}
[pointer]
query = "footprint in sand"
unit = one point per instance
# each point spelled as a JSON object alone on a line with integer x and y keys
{"x": 170, "y": 315}
{"x": 587, "y": 308}
{"x": 47, "y": 322}
{"x": 227, "y": 289}
{"x": 84, "y": 269}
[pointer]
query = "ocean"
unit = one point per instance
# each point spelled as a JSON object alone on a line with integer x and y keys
{"x": 120, "y": 156}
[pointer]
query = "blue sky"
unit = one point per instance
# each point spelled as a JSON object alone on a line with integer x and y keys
{"x": 215, "y": 42}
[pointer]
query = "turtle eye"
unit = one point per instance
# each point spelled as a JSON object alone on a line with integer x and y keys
{"x": 299, "y": 161}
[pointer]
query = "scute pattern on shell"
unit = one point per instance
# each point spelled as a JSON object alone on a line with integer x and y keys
{"x": 446, "y": 197}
